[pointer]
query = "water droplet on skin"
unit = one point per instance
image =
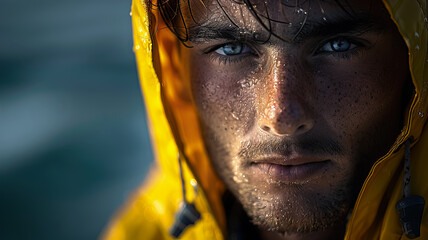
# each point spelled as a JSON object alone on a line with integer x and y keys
{"x": 421, "y": 114}
{"x": 235, "y": 178}
{"x": 237, "y": 118}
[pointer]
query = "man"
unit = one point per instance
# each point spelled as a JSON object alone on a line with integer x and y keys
{"x": 291, "y": 119}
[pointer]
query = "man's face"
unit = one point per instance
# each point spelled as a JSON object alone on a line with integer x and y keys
{"x": 292, "y": 123}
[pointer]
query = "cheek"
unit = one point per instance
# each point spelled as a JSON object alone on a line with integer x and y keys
{"x": 224, "y": 98}
{"x": 344, "y": 97}
{"x": 363, "y": 102}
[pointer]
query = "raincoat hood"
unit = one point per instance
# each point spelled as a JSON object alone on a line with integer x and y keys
{"x": 173, "y": 123}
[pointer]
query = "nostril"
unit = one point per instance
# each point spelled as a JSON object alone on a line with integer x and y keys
{"x": 301, "y": 128}
{"x": 266, "y": 128}
{"x": 304, "y": 127}
{"x": 292, "y": 127}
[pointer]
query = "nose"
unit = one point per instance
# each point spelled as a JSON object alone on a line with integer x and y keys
{"x": 285, "y": 118}
{"x": 284, "y": 109}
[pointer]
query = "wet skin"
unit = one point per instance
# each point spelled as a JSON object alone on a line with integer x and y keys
{"x": 293, "y": 125}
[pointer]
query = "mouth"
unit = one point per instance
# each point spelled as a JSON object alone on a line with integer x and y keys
{"x": 289, "y": 170}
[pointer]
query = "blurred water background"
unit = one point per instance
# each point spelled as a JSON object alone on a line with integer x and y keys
{"x": 73, "y": 137}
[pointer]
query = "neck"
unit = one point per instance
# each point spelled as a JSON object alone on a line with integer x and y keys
{"x": 336, "y": 232}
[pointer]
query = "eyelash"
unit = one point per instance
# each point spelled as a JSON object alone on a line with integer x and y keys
{"x": 348, "y": 54}
{"x": 221, "y": 59}
{"x": 229, "y": 59}
{"x": 344, "y": 54}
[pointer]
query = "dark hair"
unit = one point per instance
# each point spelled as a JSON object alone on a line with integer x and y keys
{"x": 172, "y": 14}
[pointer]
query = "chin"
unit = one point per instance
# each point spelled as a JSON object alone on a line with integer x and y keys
{"x": 296, "y": 208}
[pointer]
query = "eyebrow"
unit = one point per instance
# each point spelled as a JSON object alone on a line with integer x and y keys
{"x": 216, "y": 30}
{"x": 337, "y": 25}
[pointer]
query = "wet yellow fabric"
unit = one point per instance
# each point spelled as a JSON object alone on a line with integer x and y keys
{"x": 149, "y": 213}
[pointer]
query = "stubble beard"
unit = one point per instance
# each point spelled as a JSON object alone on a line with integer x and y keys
{"x": 286, "y": 207}
{"x": 295, "y": 209}
{"x": 290, "y": 207}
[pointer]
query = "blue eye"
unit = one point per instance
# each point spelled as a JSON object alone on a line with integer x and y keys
{"x": 338, "y": 45}
{"x": 231, "y": 49}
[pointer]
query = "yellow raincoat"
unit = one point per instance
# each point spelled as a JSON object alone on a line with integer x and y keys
{"x": 149, "y": 214}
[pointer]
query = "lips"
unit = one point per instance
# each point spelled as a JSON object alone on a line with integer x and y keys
{"x": 290, "y": 170}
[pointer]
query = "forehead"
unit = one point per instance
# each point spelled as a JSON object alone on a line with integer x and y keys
{"x": 282, "y": 17}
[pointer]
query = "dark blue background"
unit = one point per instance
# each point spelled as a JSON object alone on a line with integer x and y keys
{"x": 73, "y": 137}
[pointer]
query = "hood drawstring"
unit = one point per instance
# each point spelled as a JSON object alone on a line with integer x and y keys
{"x": 410, "y": 207}
{"x": 187, "y": 215}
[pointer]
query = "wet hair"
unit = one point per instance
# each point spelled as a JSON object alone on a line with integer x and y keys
{"x": 172, "y": 13}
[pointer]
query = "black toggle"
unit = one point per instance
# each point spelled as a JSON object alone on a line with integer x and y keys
{"x": 187, "y": 216}
{"x": 410, "y": 209}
